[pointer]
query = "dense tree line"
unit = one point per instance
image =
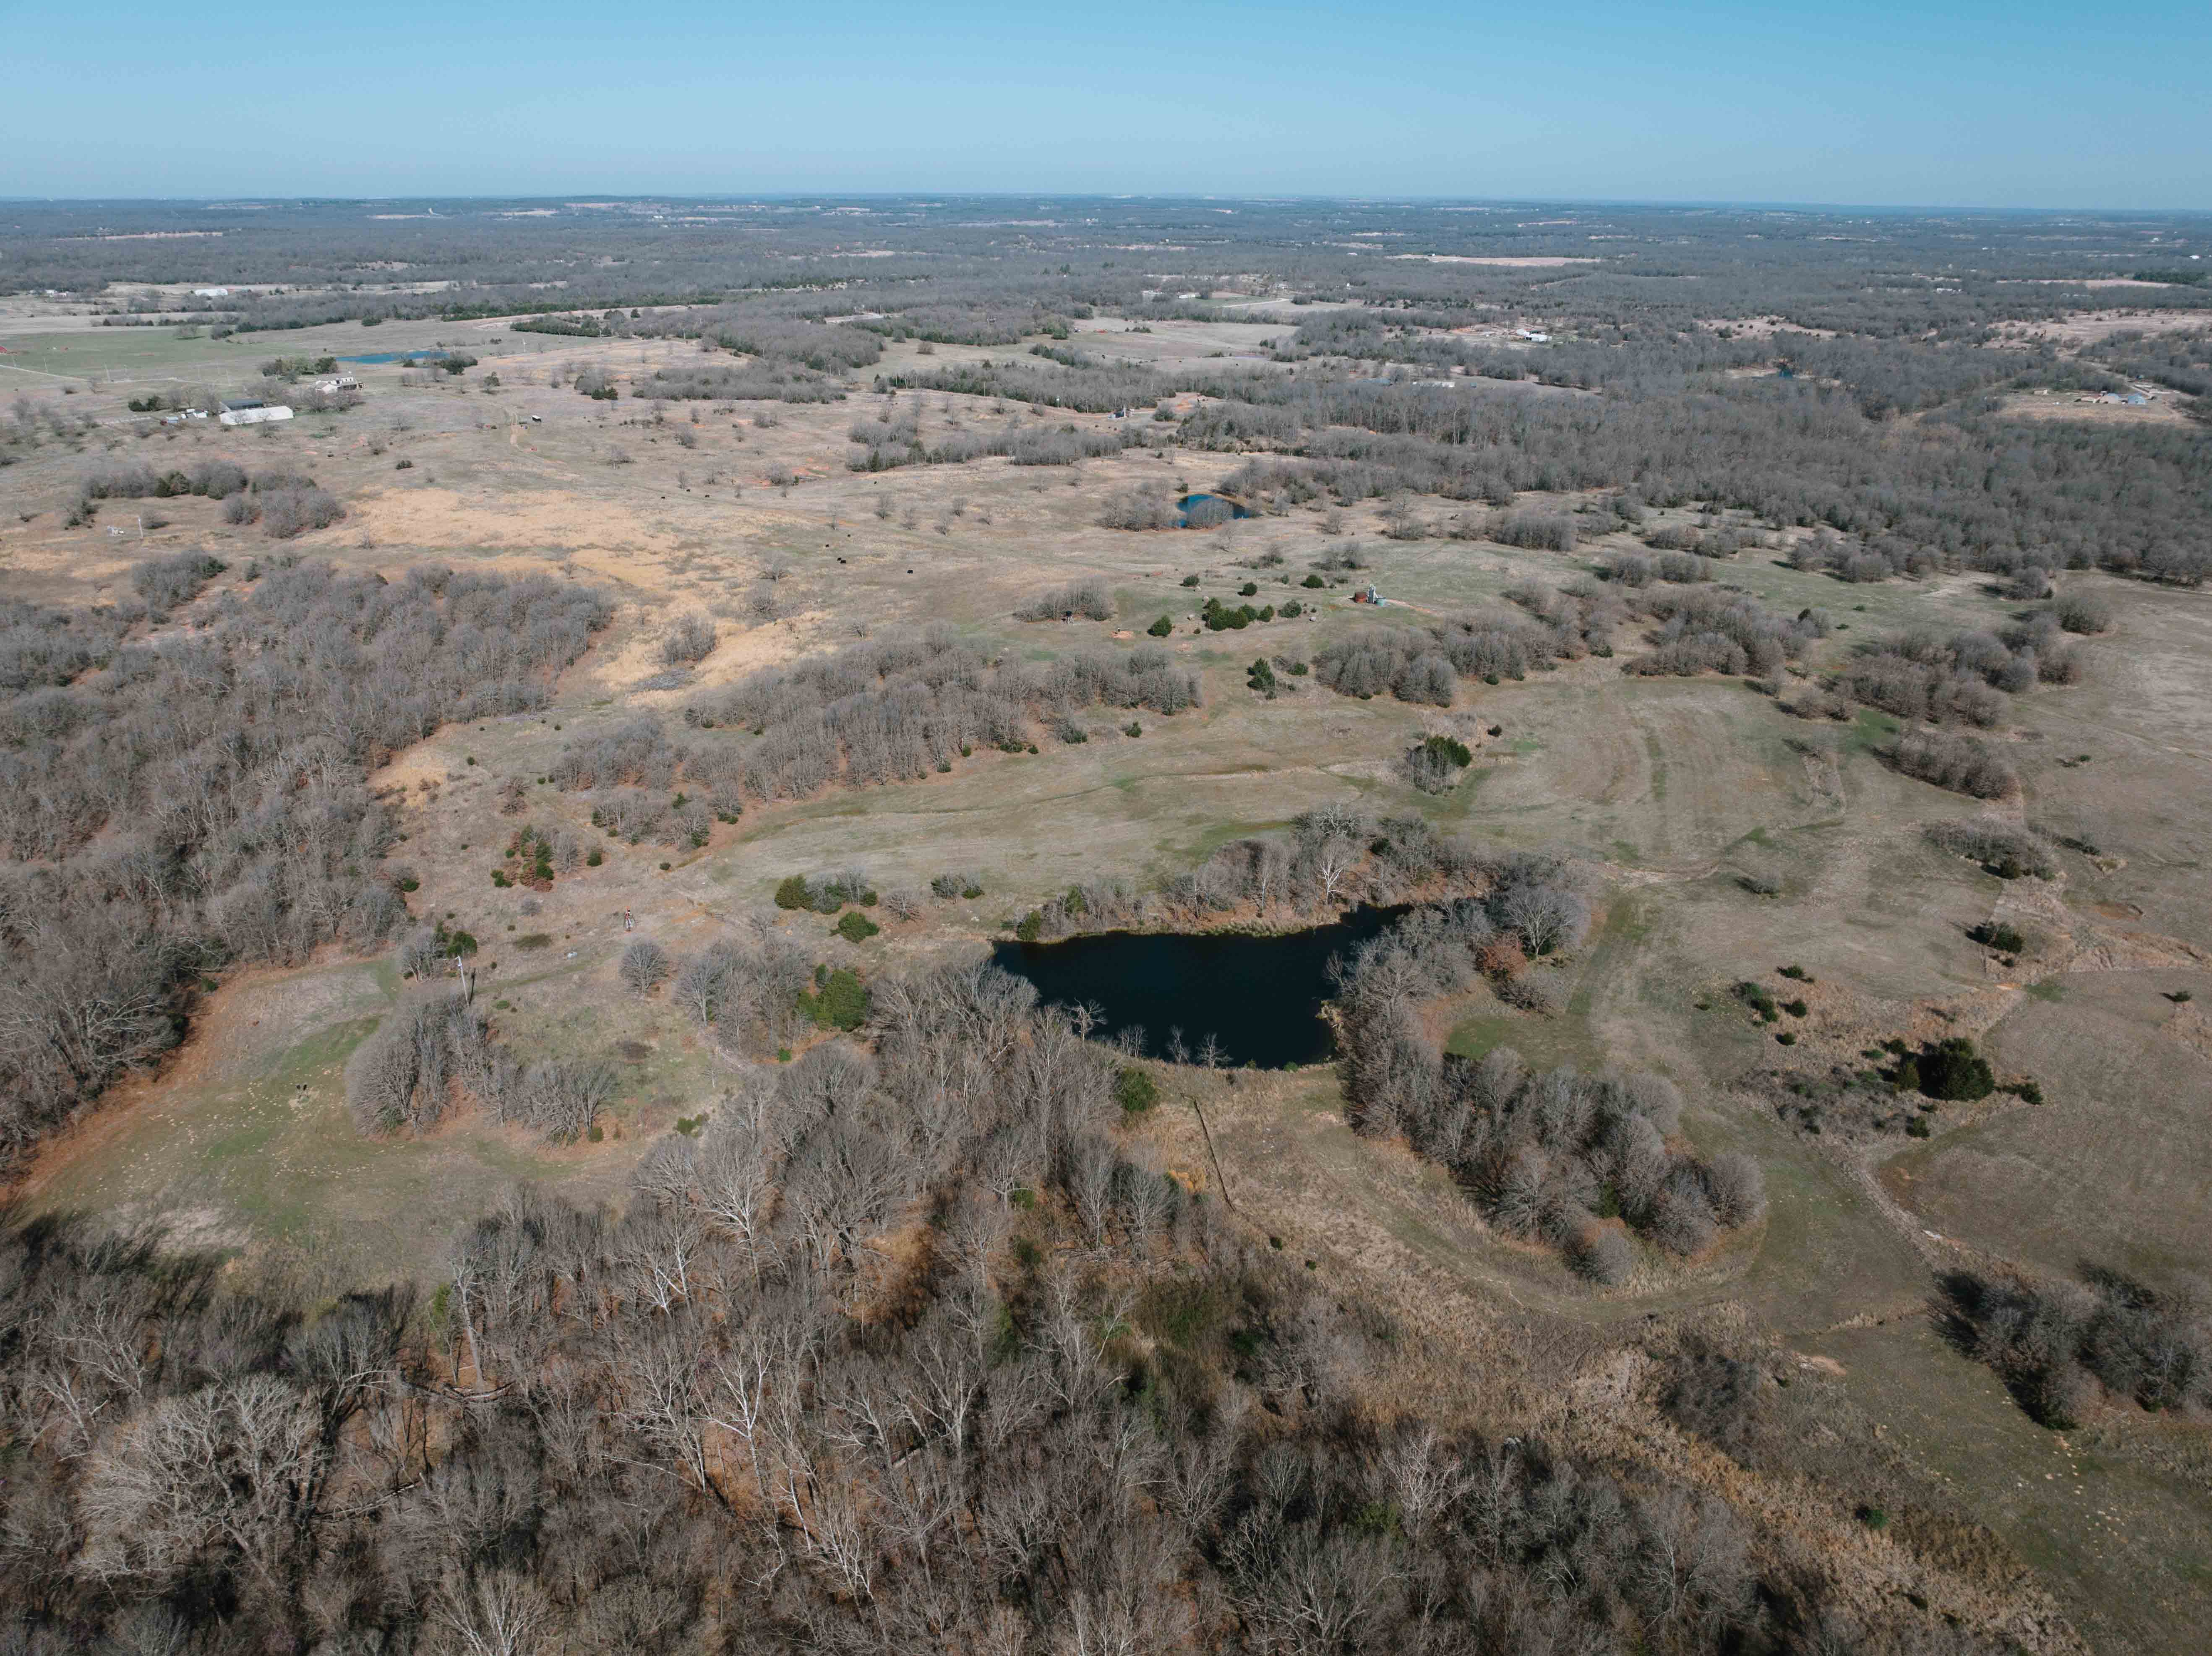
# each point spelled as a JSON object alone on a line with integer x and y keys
{"x": 904, "y": 1349}
{"x": 893, "y": 710}
{"x": 1330, "y": 858}
{"x": 833, "y": 349}
{"x": 894, "y": 440}
{"x": 1965, "y": 486}
{"x": 2062, "y": 1347}
{"x": 1085, "y": 384}
{"x": 713, "y": 383}
{"x": 172, "y": 805}
{"x": 1958, "y": 762}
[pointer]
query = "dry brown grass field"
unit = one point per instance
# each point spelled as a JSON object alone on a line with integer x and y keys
{"x": 1677, "y": 790}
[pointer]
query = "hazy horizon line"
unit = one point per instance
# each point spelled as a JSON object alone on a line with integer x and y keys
{"x": 1270, "y": 197}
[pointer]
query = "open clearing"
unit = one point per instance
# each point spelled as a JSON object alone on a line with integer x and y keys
{"x": 2030, "y": 405}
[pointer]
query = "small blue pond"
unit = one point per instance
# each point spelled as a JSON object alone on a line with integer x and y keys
{"x": 1260, "y": 997}
{"x": 399, "y": 356}
{"x": 1204, "y": 511}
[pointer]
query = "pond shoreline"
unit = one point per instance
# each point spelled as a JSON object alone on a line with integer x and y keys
{"x": 1262, "y": 995}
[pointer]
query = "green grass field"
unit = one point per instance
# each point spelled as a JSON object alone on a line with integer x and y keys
{"x": 255, "y": 1147}
{"x": 125, "y": 353}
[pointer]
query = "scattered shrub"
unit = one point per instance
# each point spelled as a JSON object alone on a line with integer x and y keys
{"x": 2007, "y": 852}
{"x": 838, "y": 1001}
{"x": 2083, "y": 612}
{"x": 1533, "y": 531}
{"x": 1134, "y": 1090}
{"x": 296, "y": 508}
{"x": 1602, "y": 1254}
{"x": 1434, "y": 764}
{"x": 645, "y": 966}
{"x": 1089, "y": 598}
{"x": 166, "y": 584}
{"x": 691, "y": 638}
{"x": 1952, "y": 1071}
{"x": 1140, "y": 509}
{"x": 1754, "y": 995}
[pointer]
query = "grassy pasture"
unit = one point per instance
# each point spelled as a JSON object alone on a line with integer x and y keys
{"x": 131, "y": 353}
{"x": 2123, "y": 1547}
{"x": 2117, "y": 1168}
{"x": 246, "y": 1142}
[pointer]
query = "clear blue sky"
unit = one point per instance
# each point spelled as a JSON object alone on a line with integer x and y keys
{"x": 1965, "y": 102}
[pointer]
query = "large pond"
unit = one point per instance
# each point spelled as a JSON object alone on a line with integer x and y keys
{"x": 1260, "y": 997}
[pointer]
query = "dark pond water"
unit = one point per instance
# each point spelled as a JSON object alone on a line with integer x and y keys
{"x": 1259, "y": 996}
{"x": 398, "y": 356}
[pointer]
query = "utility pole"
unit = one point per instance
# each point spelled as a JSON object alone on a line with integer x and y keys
{"x": 1209, "y": 1056}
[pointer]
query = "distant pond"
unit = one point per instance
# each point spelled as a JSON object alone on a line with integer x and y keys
{"x": 1260, "y": 997}
{"x": 399, "y": 356}
{"x": 1208, "y": 511}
